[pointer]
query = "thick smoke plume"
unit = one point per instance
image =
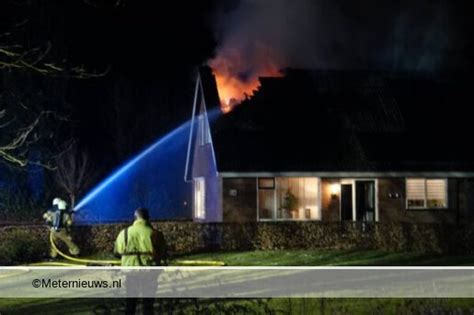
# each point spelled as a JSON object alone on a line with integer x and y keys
{"x": 260, "y": 37}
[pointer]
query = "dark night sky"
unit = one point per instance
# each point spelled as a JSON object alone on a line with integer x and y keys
{"x": 153, "y": 47}
{"x": 151, "y": 51}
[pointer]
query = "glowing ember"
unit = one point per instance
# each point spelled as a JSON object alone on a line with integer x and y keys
{"x": 238, "y": 77}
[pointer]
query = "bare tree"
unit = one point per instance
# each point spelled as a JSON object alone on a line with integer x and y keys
{"x": 15, "y": 56}
{"x": 73, "y": 172}
{"x": 15, "y": 150}
{"x": 18, "y": 134}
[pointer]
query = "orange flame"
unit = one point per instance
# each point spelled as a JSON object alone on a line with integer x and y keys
{"x": 237, "y": 80}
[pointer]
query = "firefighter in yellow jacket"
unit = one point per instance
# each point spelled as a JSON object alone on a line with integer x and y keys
{"x": 60, "y": 222}
{"x": 141, "y": 245}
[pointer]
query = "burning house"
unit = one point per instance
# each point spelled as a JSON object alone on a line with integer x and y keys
{"x": 332, "y": 146}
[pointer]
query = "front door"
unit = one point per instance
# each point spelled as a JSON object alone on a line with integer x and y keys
{"x": 365, "y": 200}
{"x": 346, "y": 202}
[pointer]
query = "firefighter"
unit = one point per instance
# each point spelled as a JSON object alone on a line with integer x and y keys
{"x": 141, "y": 245}
{"x": 59, "y": 220}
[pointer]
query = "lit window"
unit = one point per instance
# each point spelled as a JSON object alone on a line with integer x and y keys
{"x": 199, "y": 198}
{"x": 436, "y": 193}
{"x": 426, "y": 193}
{"x": 288, "y": 198}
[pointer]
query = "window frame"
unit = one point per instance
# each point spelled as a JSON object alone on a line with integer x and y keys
{"x": 199, "y": 215}
{"x": 275, "y": 200}
{"x": 269, "y": 179}
{"x": 425, "y": 200}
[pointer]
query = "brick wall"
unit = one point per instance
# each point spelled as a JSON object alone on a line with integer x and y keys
{"x": 239, "y": 202}
{"x": 239, "y": 199}
{"x": 394, "y": 209}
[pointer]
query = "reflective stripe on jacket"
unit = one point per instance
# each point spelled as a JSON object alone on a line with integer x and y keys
{"x": 136, "y": 244}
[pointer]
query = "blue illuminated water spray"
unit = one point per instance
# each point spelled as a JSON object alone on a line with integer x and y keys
{"x": 109, "y": 180}
{"x": 178, "y": 135}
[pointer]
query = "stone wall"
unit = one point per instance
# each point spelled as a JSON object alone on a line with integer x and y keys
{"x": 188, "y": 237}
{"x": 406, "y": 237}
{"x": 191, "y": 237}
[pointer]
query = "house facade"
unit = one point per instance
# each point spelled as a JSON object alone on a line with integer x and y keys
{"x": 330, "y": 146}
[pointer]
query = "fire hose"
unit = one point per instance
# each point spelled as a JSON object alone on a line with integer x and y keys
{"x": 80, "y": 260}
{"x": 118, "y": 262}
{"x": 103, "y": 262}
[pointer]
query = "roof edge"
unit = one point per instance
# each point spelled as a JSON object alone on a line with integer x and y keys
{"x": 348, "y": 174}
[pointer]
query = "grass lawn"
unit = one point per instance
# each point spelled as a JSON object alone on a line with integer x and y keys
{"x": 320, "y": 258}
{"x": 332, "y": 258}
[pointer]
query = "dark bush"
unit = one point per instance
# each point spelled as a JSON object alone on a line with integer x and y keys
{"x": 189, "y": 237}
{"x": 19, "y": 246}
{"x": 22, "y": 244}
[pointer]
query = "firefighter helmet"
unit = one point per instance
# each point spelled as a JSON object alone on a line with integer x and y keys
{"x": 61, "y": 204}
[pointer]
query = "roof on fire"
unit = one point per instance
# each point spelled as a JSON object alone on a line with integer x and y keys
{"x": 347, "y": 121}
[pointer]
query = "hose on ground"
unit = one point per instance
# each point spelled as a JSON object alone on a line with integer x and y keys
{"x": 80, "y": 260}
{"x": 55, "y": 264}
{"x": 214, "y": 263}
{"x": 103, "y": 262}
{"x": 117, "y": 262}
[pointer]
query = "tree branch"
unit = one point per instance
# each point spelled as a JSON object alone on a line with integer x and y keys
{"x": 34, "y": 59}
{"x": 15, "y": 151}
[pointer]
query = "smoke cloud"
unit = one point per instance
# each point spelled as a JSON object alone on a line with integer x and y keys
{"x": 260, "y": 37}
{"x": 414, "y": 35}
